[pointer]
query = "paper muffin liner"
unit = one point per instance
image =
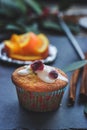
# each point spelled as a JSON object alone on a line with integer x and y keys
{"x": 40, "y": 101}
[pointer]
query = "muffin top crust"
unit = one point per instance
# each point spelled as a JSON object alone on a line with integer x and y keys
{"x": 32, "y": 82}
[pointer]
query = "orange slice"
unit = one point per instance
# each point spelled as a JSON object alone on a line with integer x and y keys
{"x": 24, "y": 39}
{"x": 14, "y": 38}
{"x": 38, "y": 44}
{"x": 25, "y": 58}
{"x": 27, "y": 46}
{"x": 22, "y": 42}
{"x": 33, "y": 42}
{"x": 43, "y": 46}
{"x": 11, "y": 48}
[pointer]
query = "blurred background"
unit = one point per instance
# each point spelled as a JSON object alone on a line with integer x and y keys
{"x": 21, "y": 16}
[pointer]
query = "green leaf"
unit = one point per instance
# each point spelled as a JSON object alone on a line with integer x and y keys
{"x": 13, "y": 27}
{"x": 74, "y": 27}
{"x": 35, "y": 6}
{"x": 51, "y": 25}
{"x": 21, "y": 6}
{"x": 12, "y": 7}
{"x": 75, "y": 66}
{"x": 32, "y": 28}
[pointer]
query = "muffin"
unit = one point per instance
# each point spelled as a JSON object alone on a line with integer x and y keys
{"x": 39, "y": 87}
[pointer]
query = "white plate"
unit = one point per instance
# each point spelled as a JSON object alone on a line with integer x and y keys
{"x": 52, "y": 56}
{"x": 83, "y": 22}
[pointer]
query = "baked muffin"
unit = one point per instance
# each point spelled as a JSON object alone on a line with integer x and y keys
{"x": 39, "y": 87}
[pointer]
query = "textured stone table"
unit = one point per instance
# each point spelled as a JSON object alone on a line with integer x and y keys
{"x": 13, "y": 116}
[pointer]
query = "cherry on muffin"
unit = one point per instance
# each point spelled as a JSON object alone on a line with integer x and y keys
{"x": 37, "y": 65}
{"x": 53, "y": 74}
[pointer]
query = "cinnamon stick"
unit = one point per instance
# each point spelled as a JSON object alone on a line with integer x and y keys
{"x": 73, "y": 84}
{"x": 83, "y": 87}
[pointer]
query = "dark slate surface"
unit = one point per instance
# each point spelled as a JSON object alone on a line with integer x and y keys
{"x": 13, "y": 116}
